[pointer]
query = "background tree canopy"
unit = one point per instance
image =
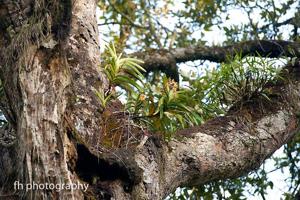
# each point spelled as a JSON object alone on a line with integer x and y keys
{"x": 225, "y": 33}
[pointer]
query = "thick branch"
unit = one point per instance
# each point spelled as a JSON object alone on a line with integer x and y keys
{"x": 224, "y": 147}
{"x": 164, "y": 60}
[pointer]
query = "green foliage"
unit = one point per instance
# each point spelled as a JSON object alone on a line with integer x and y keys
{"x": 238, "y": 81}
{"x": 163, "y": 108}
{"x": 102, "y": 97}
{"x": 122, "y": 72}
{"x": 242, "y": 79}
{"x": 140, "y": 24}
{"x": 141, "y": 19}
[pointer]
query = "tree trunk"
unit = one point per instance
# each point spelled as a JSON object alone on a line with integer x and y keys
{"x": 56, "y": 132}
{"x": 49, "y": 66}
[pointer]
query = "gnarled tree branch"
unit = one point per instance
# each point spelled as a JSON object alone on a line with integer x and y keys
{"x": 224, "y": 147}
{"x": 166, "y": 60}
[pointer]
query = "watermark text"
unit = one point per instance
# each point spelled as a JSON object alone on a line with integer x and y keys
{"x": 50, "y": 186}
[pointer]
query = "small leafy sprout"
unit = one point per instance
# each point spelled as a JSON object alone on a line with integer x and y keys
{"x": 102, "y": 97}
{"x": 123, "y": 72}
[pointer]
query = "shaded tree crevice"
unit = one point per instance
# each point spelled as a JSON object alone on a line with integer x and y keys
{"x": 97, "y": 169}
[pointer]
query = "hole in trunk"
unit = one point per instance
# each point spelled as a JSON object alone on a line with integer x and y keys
{"x": 90, "y": 168}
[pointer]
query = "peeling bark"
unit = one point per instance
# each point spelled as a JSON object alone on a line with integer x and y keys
{"x": 58, "y": 122}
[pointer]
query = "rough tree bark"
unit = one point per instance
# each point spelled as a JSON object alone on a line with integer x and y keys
{"x": 49, "y": 67}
